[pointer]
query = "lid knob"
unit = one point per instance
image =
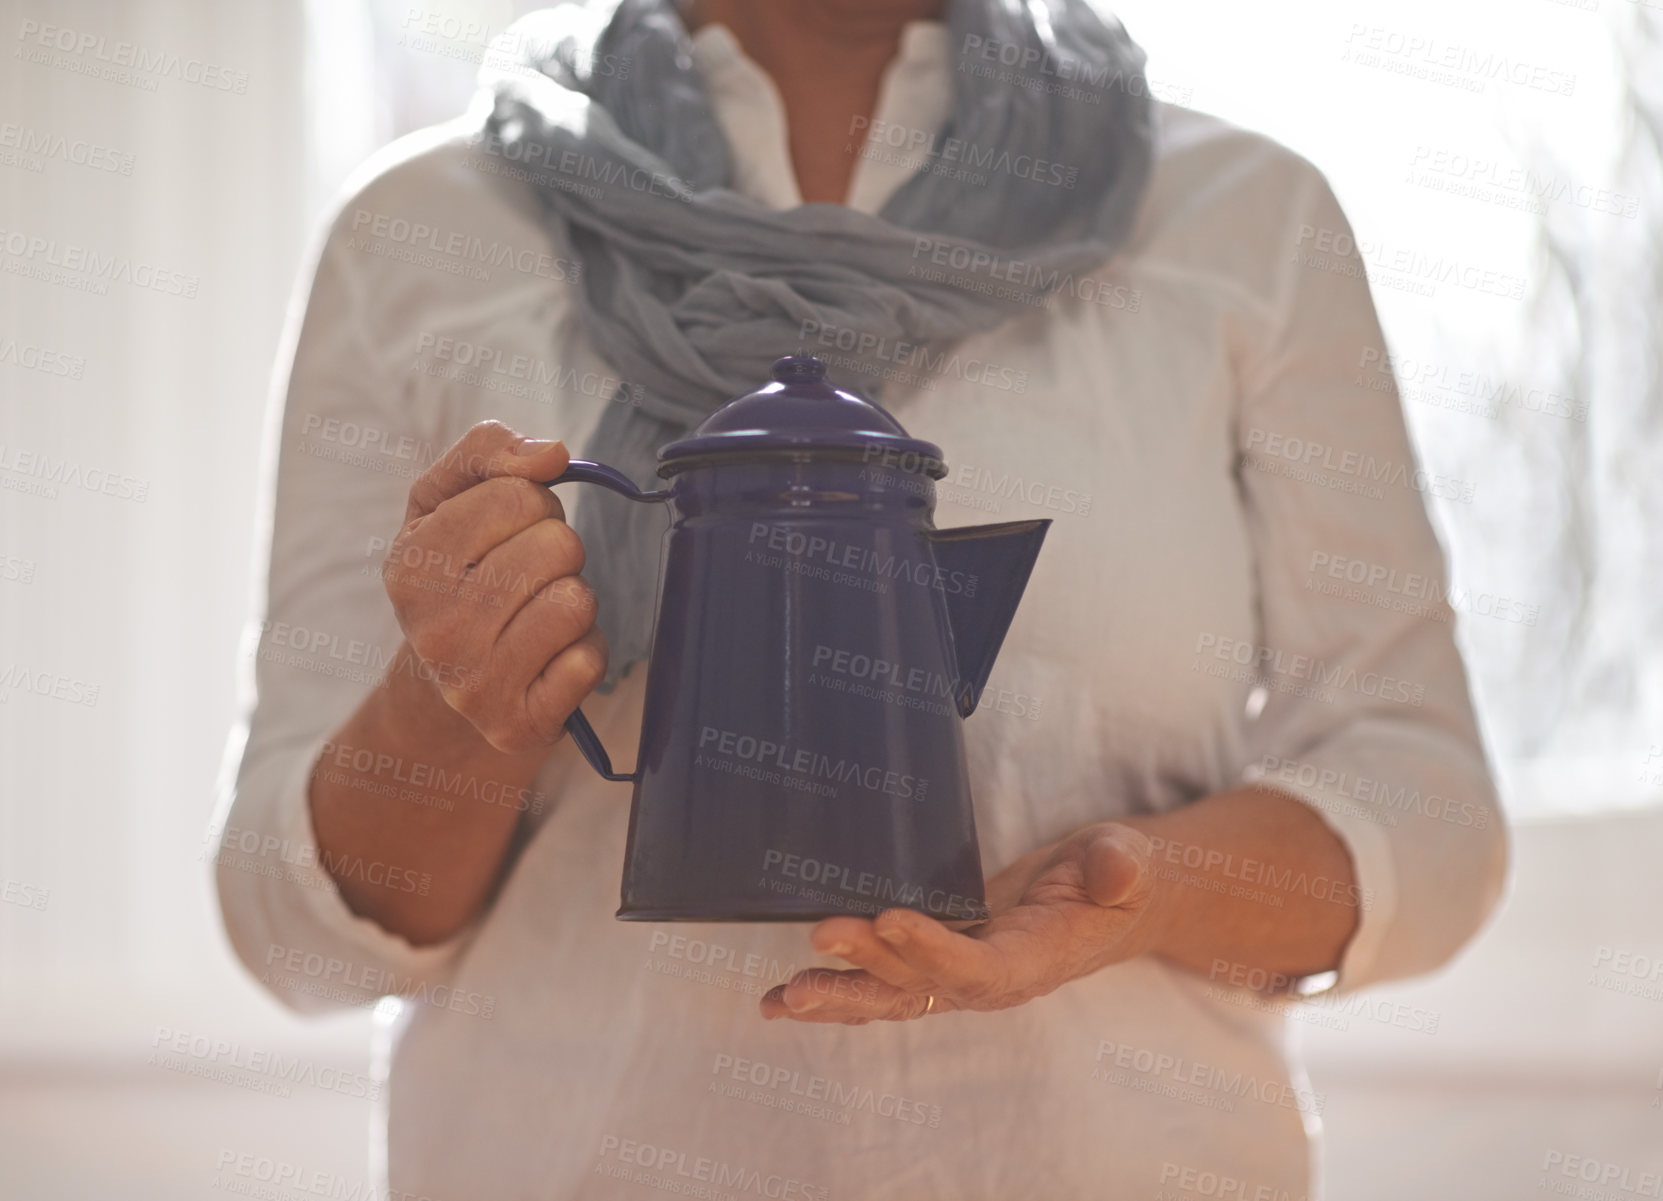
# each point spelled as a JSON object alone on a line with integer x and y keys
{"x": 798, "y": 368}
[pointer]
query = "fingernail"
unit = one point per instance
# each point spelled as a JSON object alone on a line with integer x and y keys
{"x": 525, "y": 448}
{"x": 841, "y": 950}
{"x": 893, "y": 935}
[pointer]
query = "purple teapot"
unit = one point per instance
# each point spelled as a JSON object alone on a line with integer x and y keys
{"x": 817, "y": 645}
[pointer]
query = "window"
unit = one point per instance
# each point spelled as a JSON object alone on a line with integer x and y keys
{"x": 1500, "y": 163}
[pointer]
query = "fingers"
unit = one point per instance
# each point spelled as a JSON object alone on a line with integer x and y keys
{"x": 547, "y": 656}
{"x": 1116, "y": 865}
{"x": 851, "y": 998}
{"x": 484, "y": 577}
{"x": 549, "y": 659}
{"x": 458, "y": 579}
{"x": 561, "y": 686}
{"x": 907, "y": 964}
{"x": 969, "y": 970}
{"x": 855, "y": 940}
{"x": 1053, "y": 907}
{"x": 539, "y": 562}
{"x": 488, "y": 450}
{"x": 464, "y": 529}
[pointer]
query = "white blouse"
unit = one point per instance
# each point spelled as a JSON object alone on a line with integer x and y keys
{"x": 1240, "y": 582}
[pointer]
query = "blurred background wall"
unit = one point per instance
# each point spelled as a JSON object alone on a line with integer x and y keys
{"x": 1509, "y": 208}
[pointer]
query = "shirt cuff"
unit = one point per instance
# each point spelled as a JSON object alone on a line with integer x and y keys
{"x": 1375, "y": 875}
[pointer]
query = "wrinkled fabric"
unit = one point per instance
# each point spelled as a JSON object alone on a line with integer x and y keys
{"x": 1133, "y": 411}
{"x": 691, "y": 290}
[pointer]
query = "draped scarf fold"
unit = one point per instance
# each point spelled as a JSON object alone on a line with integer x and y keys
{"x": 690, "y": 291}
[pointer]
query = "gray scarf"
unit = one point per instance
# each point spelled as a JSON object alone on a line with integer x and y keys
{"x": 690, "y": 291}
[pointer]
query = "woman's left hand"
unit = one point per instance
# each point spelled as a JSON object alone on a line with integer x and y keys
{"x": 1058, "y": 913}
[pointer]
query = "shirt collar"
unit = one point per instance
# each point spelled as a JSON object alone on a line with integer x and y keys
{"x": 915, "y": 95}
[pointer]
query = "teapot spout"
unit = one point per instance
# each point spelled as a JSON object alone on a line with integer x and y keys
{"x": 985, "y": 570}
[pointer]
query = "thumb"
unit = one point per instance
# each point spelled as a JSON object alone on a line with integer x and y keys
{"x": 487, "y": 450}
{"x": 1117, "y": 865}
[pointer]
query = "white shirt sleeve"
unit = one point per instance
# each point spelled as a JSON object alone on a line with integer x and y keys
{"x": 438, "y": 301}
{"x": 1367, "y": 716}
{"x": 357, "y": 427}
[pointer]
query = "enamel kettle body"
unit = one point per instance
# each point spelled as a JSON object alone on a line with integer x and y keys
{"x": 816, "y": 649}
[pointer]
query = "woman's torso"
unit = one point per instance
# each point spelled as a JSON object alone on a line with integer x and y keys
{"x": 593, "y": 1058}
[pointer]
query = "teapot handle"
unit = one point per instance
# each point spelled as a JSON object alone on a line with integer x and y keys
{"x": 582, "y": 471}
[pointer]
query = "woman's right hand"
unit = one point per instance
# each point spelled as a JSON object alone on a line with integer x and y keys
{"x": 483, "y": 577}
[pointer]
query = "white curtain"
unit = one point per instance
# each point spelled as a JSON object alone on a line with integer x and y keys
{"x": 195, "y": 167}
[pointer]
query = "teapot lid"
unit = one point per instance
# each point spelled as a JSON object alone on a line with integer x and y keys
{"x": 803, "y": 413}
